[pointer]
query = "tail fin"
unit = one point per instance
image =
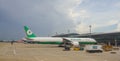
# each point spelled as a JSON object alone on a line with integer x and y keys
{"x": 28, "y": 32}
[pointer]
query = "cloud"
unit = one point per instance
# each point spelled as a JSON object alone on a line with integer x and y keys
{"x": 100, "y": 17}
{"x": 117, "y": 4}
{"x": 46, "y": 17}
{"x": 82, "y": 14}
{"x": 118, "y": 28}
{"x": 110, "y": 26}
{"x": 82, "y": 28}
{"x": 78, "y": 17}
{"x": 43, "y": 17}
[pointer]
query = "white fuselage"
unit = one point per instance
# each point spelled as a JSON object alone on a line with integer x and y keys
{"x": 47, "y": 39}
{"x": 59, "y": 39}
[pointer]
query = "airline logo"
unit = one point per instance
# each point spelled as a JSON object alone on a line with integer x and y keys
{"x": 29, "y": 32}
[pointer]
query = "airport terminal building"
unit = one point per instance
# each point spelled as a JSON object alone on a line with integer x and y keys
{"x": 112, "y": 38}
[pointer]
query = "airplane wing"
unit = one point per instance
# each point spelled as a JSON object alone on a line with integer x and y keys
{"x": 72, "y": 43}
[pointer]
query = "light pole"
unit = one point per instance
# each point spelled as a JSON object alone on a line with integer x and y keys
{"x": 115, "y": 43}
{"x": 90, "y": 30}
{"x": 68, "y": 31}
{"x": 56, "y": 33}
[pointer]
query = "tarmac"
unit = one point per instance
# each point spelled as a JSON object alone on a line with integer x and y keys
{"x": 46, "y": 52}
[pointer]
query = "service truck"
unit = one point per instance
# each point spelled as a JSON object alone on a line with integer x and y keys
{"x": 93, "y": 48}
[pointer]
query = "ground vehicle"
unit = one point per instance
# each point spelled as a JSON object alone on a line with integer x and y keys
{"x": 93, "y": 48}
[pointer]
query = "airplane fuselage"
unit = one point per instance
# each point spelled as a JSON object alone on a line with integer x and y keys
{"x": 59, "y": 40}
{"x": 55, "y": 40}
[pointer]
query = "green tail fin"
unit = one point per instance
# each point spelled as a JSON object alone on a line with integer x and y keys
{"x": 28, "y": 32}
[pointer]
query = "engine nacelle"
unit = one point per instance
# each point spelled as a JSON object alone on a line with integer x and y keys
{"x": 75, "y": 44}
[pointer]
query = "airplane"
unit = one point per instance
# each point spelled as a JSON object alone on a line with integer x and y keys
{"x": 31, "y": 37}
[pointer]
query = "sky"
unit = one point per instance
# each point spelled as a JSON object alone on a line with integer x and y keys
{"x": 50, "y": 17}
